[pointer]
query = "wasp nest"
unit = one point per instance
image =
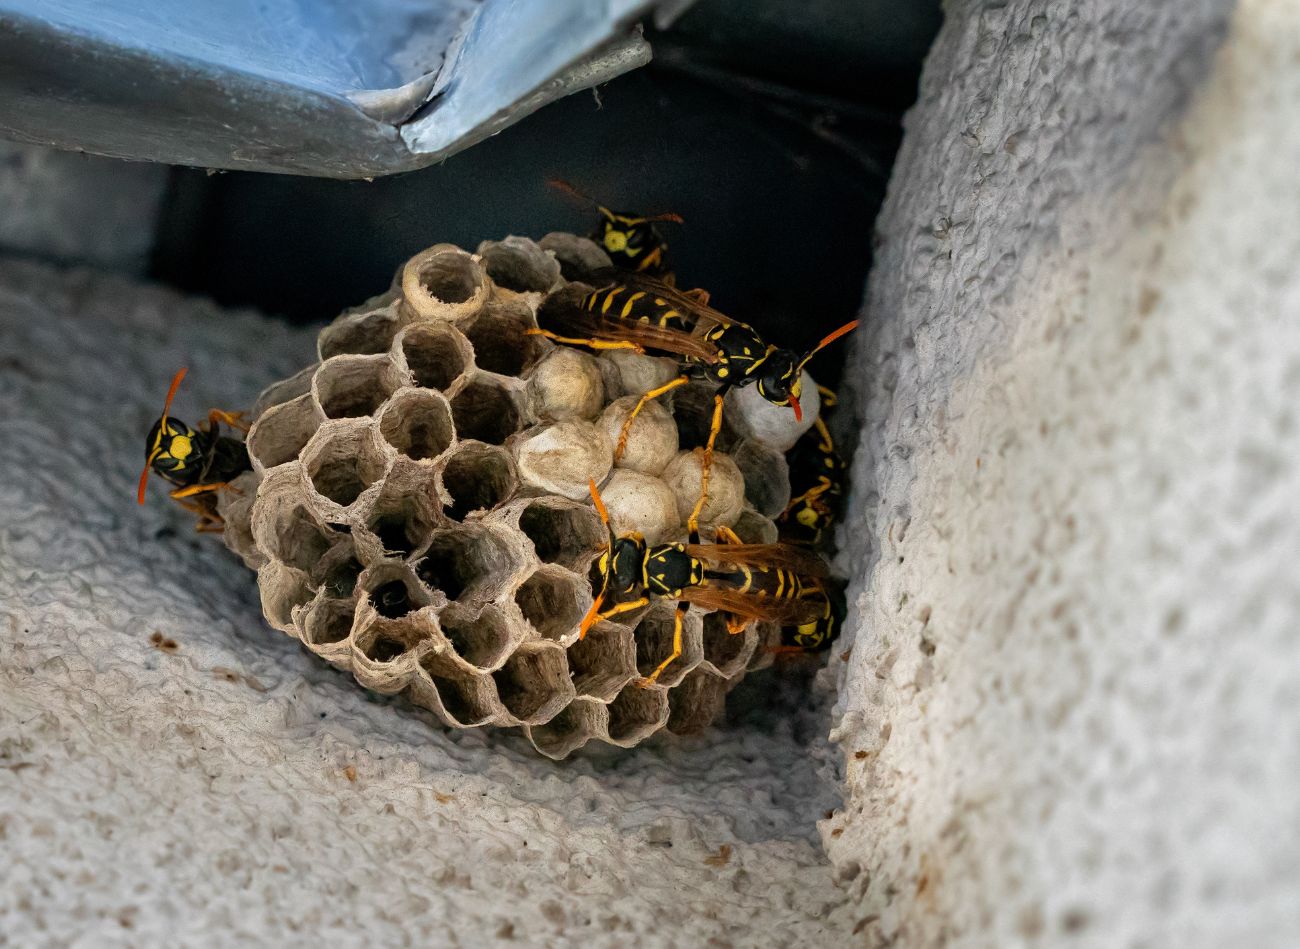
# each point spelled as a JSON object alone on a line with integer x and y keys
{"x": 418, "y": 508}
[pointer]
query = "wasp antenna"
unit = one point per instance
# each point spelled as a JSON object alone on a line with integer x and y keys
{"x": 848, "y": 327}
{"x": 559, "y": 184}
{"x": 670, "y": 216}
{"x": 144, "y": 483}
{"x": 162, "y": 419}
{"x": 171, "y": 393}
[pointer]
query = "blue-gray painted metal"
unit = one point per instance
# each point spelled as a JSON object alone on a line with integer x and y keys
{"x": 340, "y": 88}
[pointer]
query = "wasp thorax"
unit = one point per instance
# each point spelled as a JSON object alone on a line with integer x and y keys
{"x": 419, "y": 512}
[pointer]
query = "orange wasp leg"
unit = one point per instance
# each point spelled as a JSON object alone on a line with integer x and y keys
{"x": 715, "y": 426}
{"x": 233, "y": 419}
{"x": 735, "y": 622}
{"x": 678, "y": 614}
{"x": 589, "y": 343}
{"x": 649, "y": 396}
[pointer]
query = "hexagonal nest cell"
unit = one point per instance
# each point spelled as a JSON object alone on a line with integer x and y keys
{"x": 396, "y": 537}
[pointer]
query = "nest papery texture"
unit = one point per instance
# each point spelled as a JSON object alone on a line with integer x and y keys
{"x": 418, "y": 512}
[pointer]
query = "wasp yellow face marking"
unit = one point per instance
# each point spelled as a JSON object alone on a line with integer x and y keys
{"x": 807, "y": 517}
{"x": 181, "y": 448}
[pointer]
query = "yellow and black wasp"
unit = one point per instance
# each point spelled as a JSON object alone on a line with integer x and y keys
{"x": 199, "y": 461}
{"x": 816, "y": 633}
{"x": 747, "y": 582}
{"x": 817, "y": 494}
{"x": 816, "y": 483}
{"x": 631, "y": 240}
{"x": 632, "y": 311}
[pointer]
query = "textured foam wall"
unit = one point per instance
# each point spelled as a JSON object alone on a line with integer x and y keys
{"x": 1072, "y": 712}
{"x": 173, "y": 771}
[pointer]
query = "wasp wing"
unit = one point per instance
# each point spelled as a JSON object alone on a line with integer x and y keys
{"x": 752, "y": 606}
{"x": 568, "y": 318}
{"x": 784, "y": 556}
{"x": 703, "y": 315}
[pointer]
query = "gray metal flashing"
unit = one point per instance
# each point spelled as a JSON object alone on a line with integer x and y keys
{"x": 337, "y": 89}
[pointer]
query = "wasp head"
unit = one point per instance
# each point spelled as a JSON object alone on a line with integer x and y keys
{"x": 779, "y": 379}
{"x": 622, "y": 565}
{"x": 172, "y": 446}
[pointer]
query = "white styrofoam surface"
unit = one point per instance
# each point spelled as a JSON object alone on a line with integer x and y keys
{"x": 1072, "y": 713}
{"x": 201, "y": 796}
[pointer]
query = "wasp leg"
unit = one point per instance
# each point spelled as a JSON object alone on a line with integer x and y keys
{"x": 652, "y": 394}
{"x": 678, "y": 614}
{"x": 699, "y": 295}
{"x": 627, "y": 607}
{"x": 589, "y": 343}
{"x": 735, "y": 622}
{"x": 738, "y": 624}
{"x": 715, "y": 426}
{"x": 208, "y": 522}
{"x": 200, "y": 489}
{"x": 812, "y": 494}
{"x": 725, "y": 535}
{"x": 233, "y": 419}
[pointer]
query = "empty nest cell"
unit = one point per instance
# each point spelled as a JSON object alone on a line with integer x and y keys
{"x": 435, "y": 354}
{"x": 283, "y": 589}
{"x": 402, "y": 520}
{"x": 603, "y": 662}
{"x": 483, "y": 637}
{"x": 563, "y": 532}
{"x": 579, "y": 722}
{"x": 467, "y": 563}
{"x": 552, "y": 602}
{"x": 478, "y": 477}
{"x": 534, "y": 683}
{"x": 485, "y": 411}
{"x": 466, "y": 700}
{"x": 295, "y": 538}
{"x": 393, "y": 591}
{"x": 417, "y": 422}
{"x": 354, "y": 386}
{"x": 337, "y": 571}
{"x": 360, "y": 334}
{"x": 696, "y": 703}
{"x": 282, "y": 431}
{"x": 443, "y": 282}
{"x": 636, "y": 714}
{"x": 519, "y": 265}
{"x": 286, "y": 389}
{"x": 343, "y": 464}
{"x": 500, "y": 340}
{"x": 329, "y": 622}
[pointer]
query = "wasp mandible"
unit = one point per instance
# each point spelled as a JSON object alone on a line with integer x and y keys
{"x": 631, "y": 311}
{"x": 747, "y": 582}
{"x": 631, "y": 240}
{"x": 199, "y": 461}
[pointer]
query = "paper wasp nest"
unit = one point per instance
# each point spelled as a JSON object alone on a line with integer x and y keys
{"x": 418, "y": 512}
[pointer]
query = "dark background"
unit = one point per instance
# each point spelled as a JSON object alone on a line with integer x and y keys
{"x": 769, "y": 125}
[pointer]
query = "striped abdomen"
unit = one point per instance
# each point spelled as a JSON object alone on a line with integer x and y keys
{"x": 638, "y": 306}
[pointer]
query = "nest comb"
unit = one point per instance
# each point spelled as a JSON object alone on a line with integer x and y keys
{"x": 417, "y": 512}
